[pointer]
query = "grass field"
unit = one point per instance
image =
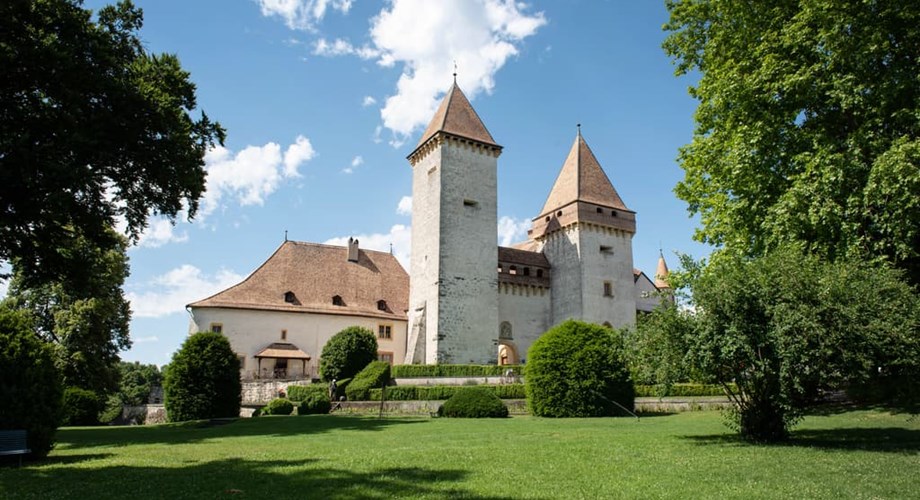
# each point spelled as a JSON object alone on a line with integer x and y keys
{"x": 856, "y": 454}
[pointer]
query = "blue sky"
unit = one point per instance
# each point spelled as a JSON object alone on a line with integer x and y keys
{"x": 323, "y": 100}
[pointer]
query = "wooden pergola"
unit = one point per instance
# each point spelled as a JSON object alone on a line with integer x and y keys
{"x": 282, "y": 350}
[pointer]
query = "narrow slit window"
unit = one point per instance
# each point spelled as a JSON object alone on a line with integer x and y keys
{"x": 608, "y": 289}
{"x": 470, "y": 203}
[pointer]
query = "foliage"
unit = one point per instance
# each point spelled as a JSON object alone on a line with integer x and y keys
{"x": 203, "y": 379}
{"x": 81, "y": 407}
{"x": 808, "y": 125}
{"x": 787, "y": 326}
{"x": 83, "y": 314}
{"x": 302, "y": 392}
{"x": 137, "y": 381}
{"x": 30, "y": 385}
{"x": 278, "y": 406}
{"x": 441, "y": 392}
{"x": 431, "y": 371}
{"x": 347, "y": 353}
{"x": 657, "y": 347}
{"x": 92, "y": 128}
{"x": 578, "y": 369}
{"x": 376, "y": 374}
{"x": 315, "y": 403}
{"x": 681, "y": 390}
{"x": 473, "y": 402}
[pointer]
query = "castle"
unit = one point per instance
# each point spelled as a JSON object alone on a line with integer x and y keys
{"x": 467, "y": 300}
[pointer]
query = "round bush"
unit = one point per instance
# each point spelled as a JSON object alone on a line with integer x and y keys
{"x": 30, "y": 385}
{"x": 578, "y": 369}
{"x": 81, "y": 407}
{"x": 314, "y": 403}
{"x": 473, "y": 402}
{"x": 347, "y": 353}
{"x": 203, "y": 379}
{"x": 278, "y": 406}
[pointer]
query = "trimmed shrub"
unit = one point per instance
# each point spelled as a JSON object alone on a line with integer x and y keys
{"x": 315, "y": 403}
{"x": 30, "y": 386}
{"x": 203, "y": 379}
{"x": 347, "y": 353}
{"x": 81, "y": 407}
{"x": 278, "y": 406}
{"x": 429, "y": 371}
{"x": 440, "y": 392}
{"x": 473, "y": 402}
{"x": 302, "y": 392}
{"x": 679, "y": 390}
{"x": 578, "y": 369}
{"x": 374, "y": 375}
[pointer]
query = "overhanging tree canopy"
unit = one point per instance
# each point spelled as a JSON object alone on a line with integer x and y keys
{"x": 92, "y": 127}
{"x": 808, "y": 127}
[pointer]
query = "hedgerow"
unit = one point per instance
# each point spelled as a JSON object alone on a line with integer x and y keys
{"x": 376, "y": 374}
{"x": 425, "y": 371}
{"x": 302, "y": 392}
{"x": 441, "y": 392}
{"x": 315, "y": 403}
{"x": 473, "y": 402}
{"x": 679, "y": 390}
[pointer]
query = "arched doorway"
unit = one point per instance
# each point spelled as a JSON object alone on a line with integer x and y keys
{"x": 507, "y": 354}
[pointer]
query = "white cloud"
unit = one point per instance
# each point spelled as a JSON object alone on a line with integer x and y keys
{"x": 368, "y": 101}
{"x": 427, "y": 37}
{"x": 511, "y": 230}
{"x": 342, "y": 47}
{"x": 160, "y": 232}
{"x": 169, "y": 293}
{"x": 356, "y": 162}
{"x": 405, "y": 206}
{"x": 144, "y": 340}
{"x": 302, "y": 14}
{"x": 400, "y": 236}
{"x": 251, "y": 174}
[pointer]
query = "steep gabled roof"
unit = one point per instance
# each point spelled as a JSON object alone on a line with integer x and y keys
{"x": 456, "y": 116}
{"x": 304, "y": 277}
{"x": 582, "y": 179}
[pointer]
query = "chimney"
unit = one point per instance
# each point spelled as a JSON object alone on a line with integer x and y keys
{"x": 352, "y": 250}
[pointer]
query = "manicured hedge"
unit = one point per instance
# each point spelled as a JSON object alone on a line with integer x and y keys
{"x": 315, "y": 403}
{"x": 278, "y": 406}
{"x": 441, "y": 392}
{"x": 419, "y": 371}
{"x": 679, "y": 390}
{"x": 375, "y": 374}
{"x": 302, "y": 392}
{"x": 473, "y": 402}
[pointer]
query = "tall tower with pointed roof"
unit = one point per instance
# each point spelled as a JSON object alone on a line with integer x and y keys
{"x": 453, "y": 286}
{"x": 585, "y": 230}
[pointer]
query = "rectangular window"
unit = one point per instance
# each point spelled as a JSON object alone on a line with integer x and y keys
{"x": 606, "y": 249}
{"x": 242, "y": 361}
{"x": 283, "y": 334}
{"x": 217, "y": 327}
{"x": 608, "y": 289}
{"x": 385, "y": 356}
{"x": 384, "y": 332}
{"x": 470, "y": 203}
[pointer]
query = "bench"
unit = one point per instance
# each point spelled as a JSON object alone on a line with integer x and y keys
{"x": 14, "y": 443}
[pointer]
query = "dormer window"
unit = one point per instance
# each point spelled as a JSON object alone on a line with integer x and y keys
{"x": 381, "y": 305}
{"x": 289, "y": 297}
{"x": 337, "y": 300}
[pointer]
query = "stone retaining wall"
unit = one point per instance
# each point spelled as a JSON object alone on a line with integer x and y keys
{"x": 519, "y": 406}
{"x": 260, "y": 392}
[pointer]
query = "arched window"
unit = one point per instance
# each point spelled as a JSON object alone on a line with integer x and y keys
{"x": 504, "y": 331}
{"x": 337, "y": 300}
{"x": 381, "y": 305}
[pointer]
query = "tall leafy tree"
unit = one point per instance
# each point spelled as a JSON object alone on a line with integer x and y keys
{"x": 83, "y": 314}
{"x": 92, "y": 127}
{"x": 808, "y": 125}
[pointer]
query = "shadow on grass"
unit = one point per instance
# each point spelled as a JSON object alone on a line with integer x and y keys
{"x": 191, "y": 432}
{"x": 878, "y": 439}
{"x": 239, "y": 478}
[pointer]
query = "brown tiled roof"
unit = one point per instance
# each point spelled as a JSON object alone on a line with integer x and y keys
{"x": 523, "y": 257}
{"x": 661, "y": 274}
{"x": 282, "y": 350}
{"x": 456, "y": 116}
{"x": 315, "y": 273}
{"x": 582, "y": 179}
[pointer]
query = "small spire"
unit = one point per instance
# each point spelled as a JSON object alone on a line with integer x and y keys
{"x": 455, "y": 71}
{"x": 391, "y": 249}
{"x": 285, "y": 235}
{"x": 578, "y": 126}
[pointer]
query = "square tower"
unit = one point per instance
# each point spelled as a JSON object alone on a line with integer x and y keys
{"x": 453, "y": 289}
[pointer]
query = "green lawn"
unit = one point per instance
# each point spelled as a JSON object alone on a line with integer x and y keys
{"x": 858, "y": 454}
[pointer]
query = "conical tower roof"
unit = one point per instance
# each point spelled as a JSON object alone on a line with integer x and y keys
{"x": 661, "y": 274}
{"x": 456, "y": 116}
{"x": 582, "y": 179}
